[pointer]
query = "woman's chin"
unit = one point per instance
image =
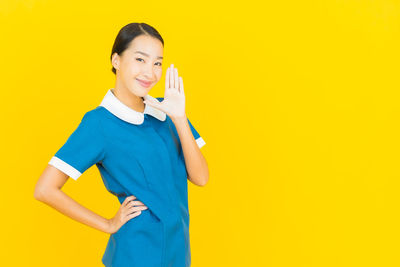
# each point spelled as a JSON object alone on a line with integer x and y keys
{"x": 141, "y": 92}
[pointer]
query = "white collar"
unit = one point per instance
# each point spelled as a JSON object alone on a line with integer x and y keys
{"x": 122, "y": 111}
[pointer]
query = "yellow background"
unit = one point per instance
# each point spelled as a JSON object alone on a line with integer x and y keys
{"x": 298, "y": 102}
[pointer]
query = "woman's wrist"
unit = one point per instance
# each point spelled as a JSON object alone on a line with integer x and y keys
{"x": 109, "y": 226}
{"x": 179, "y": 119}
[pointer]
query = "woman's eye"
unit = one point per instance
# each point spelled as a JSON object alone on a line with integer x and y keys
{"x": 138, "y": 59}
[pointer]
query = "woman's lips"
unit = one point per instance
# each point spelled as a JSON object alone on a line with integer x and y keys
{"x": 143, "y": 83}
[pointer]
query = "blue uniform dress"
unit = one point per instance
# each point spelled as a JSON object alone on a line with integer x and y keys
{"x": 137, "y": 154}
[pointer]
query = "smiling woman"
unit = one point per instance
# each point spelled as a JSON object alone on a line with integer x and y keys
{"x": 136, "y": 57}
{"x": 130, "y": 32}
{"x": 146, "y": 151}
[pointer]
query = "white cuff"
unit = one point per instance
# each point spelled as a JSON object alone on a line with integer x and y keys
{"x": 200, "y": 142}
{"x": 65, "y": 167}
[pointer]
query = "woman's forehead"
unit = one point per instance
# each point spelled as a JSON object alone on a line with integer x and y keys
{"x": 147, "y": 46}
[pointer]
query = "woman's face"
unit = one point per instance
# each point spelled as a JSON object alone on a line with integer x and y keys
{"x": 139, "y": 67}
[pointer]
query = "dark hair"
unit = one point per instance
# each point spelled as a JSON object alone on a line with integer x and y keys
{"x": 130, "y": 32}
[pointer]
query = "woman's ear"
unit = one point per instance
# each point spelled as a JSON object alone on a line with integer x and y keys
{"x": 115, "y": 61}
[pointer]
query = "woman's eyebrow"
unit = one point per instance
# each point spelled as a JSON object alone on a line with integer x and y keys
{"x": 143, "y": 53}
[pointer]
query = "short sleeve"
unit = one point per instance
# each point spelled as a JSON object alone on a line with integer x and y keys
{"x": 199, "y": 140}
{"x": 83, "y": 148}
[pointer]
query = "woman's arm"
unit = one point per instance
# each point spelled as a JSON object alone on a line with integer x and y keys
{"x": 173, "y": 105}
{"x": 48, "y": 190}
{"x": 196, "y": 164}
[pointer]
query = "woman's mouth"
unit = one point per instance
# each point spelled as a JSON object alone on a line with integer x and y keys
{"x": 144, "y": 83}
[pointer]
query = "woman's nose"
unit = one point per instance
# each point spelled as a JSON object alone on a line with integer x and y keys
{"x": 148, "y": 73}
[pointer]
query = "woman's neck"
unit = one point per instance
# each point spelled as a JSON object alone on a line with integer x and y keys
{"x": 131, "y": 100}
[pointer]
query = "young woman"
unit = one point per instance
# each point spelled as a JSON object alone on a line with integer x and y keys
{"x": 145, "y": 149}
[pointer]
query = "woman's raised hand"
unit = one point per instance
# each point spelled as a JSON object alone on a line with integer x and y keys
{"x": 129, "y": 209}
{"x": 174, "y": 97}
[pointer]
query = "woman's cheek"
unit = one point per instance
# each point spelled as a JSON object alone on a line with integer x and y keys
{"x": 158, "y": 74}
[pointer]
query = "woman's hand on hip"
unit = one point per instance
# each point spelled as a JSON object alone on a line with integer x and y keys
{"x": 129, "y": 209}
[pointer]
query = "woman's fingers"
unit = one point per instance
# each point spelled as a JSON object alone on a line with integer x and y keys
{"x": 132, "y": 215}
{"x": 171, "y": 77}
{"x": 134, "y": 203}
{"x": 176, "y": 79}
{"x": 130, "y": 202}
{"x": 127, "y": 200}
{"x": 133, "y": 211}
{"x": 129, "y": 209}
{"x": 136, "y": 208}
{"x": 181, "y": 86}
{"x": 167, "y": 78}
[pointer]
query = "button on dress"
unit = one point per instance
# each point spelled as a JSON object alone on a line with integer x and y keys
{"x": 136, "y": 154}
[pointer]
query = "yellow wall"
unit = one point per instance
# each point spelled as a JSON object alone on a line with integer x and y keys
{"x": 298, "y": 102}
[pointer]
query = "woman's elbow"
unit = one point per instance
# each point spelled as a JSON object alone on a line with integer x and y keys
{"x": 51, "y": 180}
{"x": 39, "y": 192}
